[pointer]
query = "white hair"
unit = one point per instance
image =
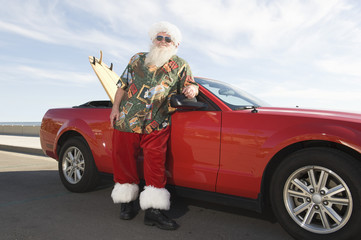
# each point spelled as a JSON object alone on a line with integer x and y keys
{"x": 158, "y": 56}
{"x": 168, "y": 28}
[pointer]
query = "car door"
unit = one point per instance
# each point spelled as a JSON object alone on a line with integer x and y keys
{"x": 194, "y": 148}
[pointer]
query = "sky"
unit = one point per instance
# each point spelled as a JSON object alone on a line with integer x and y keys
{"x": 289, "y": 53}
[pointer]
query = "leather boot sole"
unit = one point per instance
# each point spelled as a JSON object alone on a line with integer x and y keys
{"x": 127, "y": 216}
{"x": 150, "y": 222}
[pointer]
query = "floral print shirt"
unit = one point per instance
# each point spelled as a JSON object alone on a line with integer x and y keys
{"x": 146, "y": 106}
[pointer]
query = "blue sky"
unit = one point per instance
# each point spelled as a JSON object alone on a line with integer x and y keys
{"x": 289, "y": 53}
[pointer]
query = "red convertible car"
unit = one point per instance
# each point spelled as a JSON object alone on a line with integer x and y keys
{"x": 230, "y": 148}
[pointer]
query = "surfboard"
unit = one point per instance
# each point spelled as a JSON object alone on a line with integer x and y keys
{"x": 107, "y": 77}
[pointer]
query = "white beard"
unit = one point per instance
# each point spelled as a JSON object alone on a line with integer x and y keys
{"x": 158, "y": 56}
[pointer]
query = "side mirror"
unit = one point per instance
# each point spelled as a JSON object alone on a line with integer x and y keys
{"x": 180, "y": 101}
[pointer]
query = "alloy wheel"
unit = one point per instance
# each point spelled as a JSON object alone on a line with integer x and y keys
{"x": 317, "y": 199}
{"x": 73, "y": 165}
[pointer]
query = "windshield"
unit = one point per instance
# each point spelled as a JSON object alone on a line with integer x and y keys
{"x": 233, "y": 97}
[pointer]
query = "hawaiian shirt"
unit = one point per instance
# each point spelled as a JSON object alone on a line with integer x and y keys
{"x": 146, "y": 106}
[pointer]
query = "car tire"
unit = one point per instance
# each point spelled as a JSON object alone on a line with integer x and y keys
{"x": 315, "y": 194}
{"x": 76, "y": 166}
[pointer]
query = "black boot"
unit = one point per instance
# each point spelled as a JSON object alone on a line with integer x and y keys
{"x": 127, "y": 211}
{"x": 156, "y": 217}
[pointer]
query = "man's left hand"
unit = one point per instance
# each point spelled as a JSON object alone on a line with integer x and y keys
{"x": 190, "y": 91}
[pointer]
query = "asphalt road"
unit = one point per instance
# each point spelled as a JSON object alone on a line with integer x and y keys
{"x": 35, "y": 205}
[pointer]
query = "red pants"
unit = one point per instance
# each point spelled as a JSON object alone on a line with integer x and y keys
{"x": 126, "y": 149}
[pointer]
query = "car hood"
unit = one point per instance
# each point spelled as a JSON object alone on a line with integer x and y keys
{"x": 312, "y": 113}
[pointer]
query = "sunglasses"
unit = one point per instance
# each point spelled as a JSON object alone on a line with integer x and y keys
{"x": 167, "y": 39}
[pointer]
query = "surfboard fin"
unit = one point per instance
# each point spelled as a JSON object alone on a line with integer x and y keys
{"x": 111, "y": 67}
{"x": 101, "y": 57}
{"x": 93, "y": 60}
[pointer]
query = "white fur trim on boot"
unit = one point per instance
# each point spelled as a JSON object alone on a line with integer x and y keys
{"x": 124, "y": 193}
{"x": 152, "y": 197}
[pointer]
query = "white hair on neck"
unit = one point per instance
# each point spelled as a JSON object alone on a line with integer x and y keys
{"x": 168, "y": 28}
{"x": 158, "y": 56}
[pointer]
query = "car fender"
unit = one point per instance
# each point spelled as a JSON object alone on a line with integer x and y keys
{"x": 321, "y": 131}
{"x": 81, "y": 127}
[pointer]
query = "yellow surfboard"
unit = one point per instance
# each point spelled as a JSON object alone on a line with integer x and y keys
{"x": 106, "y": 76}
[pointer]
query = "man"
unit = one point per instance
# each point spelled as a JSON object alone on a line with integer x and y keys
{"x": 141, "y": 118}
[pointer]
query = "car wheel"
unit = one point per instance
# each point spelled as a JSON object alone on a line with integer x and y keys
{"x": 316, "y": 194}
{"x": 76, "y": 166}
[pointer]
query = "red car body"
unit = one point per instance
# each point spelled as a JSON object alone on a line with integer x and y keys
{"x": 218, "y": 149}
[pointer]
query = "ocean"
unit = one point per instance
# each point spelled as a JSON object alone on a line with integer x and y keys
{"x": 21, "y": 123}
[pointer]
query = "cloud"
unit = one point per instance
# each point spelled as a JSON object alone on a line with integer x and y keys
{"x": 343, "y": 66}
{"x": 22, "y": 74}
{"x": 267, "y": 29}
{"x": 51, "y": 74}
{"x": 54, "y": 23}
{"x": 25, "y": 32}
{"x": 219, "y": 29}
{"x": 277, "y": 49}
{"x": 314, "y": 98}
{"x": 123, "y": 17}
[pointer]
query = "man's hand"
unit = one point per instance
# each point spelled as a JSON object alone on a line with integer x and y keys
{"x": 114, "y": 115}
{"x": 190, "y": 91}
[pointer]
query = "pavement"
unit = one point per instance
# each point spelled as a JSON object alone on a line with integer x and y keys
{"x": 34, "y": 205}
{"x": 30, "y": 184}
{"x": 21, "y": 144}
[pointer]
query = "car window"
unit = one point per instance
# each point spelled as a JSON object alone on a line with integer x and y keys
{"x": 211, "y": 106}
{"x": 232, "y": 96}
